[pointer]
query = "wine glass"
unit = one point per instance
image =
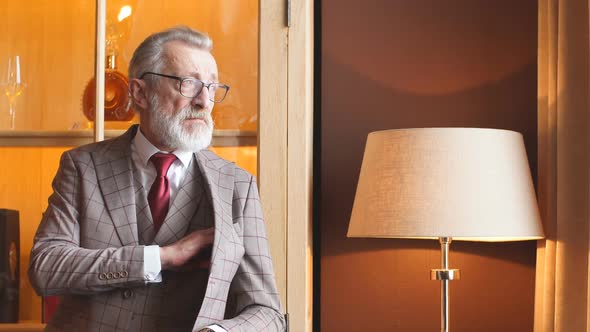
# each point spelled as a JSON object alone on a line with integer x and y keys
{"x": 13, "y": 86}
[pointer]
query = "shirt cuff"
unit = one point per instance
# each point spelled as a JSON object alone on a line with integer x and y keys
{"x": 216, "y": 328}
{"x": 152, "y": 266}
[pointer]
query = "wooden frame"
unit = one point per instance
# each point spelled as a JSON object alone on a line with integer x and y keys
{"x": 286, "y": 148}
{"x": 300, "y": 167}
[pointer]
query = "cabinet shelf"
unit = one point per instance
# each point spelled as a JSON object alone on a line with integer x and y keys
{"x": 23, "y": 138}
{"x": 22, "y": 327}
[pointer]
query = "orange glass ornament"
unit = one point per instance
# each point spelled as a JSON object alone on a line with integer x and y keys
{"x": 116, "y": 95}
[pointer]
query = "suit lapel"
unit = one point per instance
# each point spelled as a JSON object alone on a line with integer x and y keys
{"x": 218, "y": 175}
{"x": 145, "y": 224}
{"x": 115, "y": 179}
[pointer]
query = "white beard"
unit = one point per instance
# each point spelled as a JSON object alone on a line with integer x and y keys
{"x": 169, "y": 128}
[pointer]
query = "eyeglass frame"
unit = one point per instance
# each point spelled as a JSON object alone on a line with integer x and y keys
{"x": 182, "y": 79}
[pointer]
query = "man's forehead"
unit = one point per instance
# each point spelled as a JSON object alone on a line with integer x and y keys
{"x": 191, "y": 60}
{"x": 180, "y": 49}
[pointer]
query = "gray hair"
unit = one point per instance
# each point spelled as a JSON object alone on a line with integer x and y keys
{"x": 149, "y": 55}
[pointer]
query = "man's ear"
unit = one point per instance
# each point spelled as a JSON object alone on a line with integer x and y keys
{"x": 137, "y": 89}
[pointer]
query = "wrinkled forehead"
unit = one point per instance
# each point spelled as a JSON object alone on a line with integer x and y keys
{"x": 185, "y": 60}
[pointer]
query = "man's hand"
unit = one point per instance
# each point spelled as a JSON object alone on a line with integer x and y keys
{"x": 178, "y": 254}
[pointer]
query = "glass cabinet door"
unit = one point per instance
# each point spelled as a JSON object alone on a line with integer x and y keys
{"x": 54, "y": 46}
{"x": 42, "y": 108}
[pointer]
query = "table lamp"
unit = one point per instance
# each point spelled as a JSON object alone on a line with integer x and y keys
{"x": 448, "y": 184}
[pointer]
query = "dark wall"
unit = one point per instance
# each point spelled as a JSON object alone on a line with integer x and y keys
{"x": 389, "y": 64}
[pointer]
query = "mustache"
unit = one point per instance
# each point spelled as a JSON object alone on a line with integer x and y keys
{"x": 192, "y": 112}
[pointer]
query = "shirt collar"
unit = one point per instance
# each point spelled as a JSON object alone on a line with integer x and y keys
{"x": 145, "y": 150}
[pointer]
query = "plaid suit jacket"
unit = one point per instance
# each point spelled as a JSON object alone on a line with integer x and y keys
{"x": 86, "y": 247}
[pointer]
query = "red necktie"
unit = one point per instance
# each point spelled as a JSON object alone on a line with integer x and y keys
{"x": 159, "y": 195}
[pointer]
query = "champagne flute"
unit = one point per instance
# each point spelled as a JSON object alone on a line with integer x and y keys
{"x": 13, "y": 86}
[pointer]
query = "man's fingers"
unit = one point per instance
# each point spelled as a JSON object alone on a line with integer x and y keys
{"x": 203, "y": 238}
{"x": 194, "y": 246}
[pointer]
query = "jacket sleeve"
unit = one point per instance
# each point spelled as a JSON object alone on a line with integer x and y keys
{"x": 59, "y": 263}
{"x": 257, "y": 304}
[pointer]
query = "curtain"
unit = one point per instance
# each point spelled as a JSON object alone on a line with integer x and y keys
{"x": 562, "y": 299}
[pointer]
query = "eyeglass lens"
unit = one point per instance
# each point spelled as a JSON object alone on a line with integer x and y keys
{"x": 191, "y": 88}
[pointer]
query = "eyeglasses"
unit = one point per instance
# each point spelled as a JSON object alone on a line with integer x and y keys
{"x": 191, "y": 87}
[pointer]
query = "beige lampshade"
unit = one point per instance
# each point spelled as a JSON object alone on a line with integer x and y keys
{"x": 465, "y": 183}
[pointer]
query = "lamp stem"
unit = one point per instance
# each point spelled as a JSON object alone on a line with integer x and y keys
{"x": 445, "y": 275}
{"x": 445, "y": 243}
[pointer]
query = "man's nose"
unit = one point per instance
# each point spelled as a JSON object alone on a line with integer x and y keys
{"x": 202, "y": 99}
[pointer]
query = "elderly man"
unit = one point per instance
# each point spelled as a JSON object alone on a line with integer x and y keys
{"x": 150, "y": 231}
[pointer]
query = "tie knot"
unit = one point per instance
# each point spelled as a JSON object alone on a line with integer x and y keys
{"x": 162, "y": 162}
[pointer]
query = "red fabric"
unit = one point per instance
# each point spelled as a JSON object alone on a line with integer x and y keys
{"x": 159, "y": 195}
{"x": 49, "y": 306}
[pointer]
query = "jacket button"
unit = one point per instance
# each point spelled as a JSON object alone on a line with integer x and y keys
{"x": 124, "y": 274}
{"x": 127, "y": 293}
{"x": 102, "y": 276}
